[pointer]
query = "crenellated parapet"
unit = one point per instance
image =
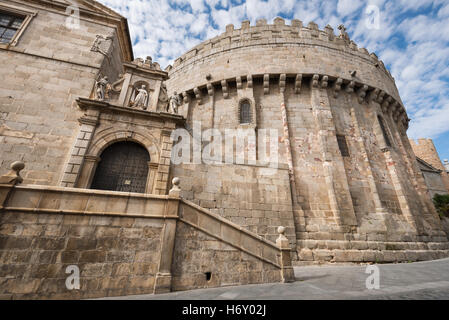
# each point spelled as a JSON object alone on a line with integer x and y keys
{"x": 279, "y": 32}
{"x": 265, "y": 51}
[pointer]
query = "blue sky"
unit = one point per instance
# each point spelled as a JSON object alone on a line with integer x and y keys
{"x": 412, "y": 38}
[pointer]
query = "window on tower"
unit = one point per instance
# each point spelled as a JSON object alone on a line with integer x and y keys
{"x": 245, "y": 112}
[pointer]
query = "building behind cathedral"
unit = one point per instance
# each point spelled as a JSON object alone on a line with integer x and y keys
{"x": 151, "y": 180}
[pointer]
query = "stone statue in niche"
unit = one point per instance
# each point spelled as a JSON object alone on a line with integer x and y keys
{"x": 163, "y": 102}
{"x": 102, "y": 88}
{"x": 141, "y": 99}
{"x": 343, "y": 34}
{"x": 174, "y": 103}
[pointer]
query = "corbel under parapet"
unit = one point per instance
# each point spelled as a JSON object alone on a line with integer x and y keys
{"x": 266, "y": 83}
{"x": 239, "y": 82}
{"x": 337, "y": 87}
{"x": 361, "y": 93}
{"x": 224, "y": 88}
{"x": 324, "y": 82}
{"x": 298, "y": 83}
{"x": 197, "y": 93}
{"x": 315, "y": 80}
{"x": 210, "y": 89}
{"x": 350, "y": 87}
{"x": 380, "y": 97}
{"x": 282, "y": 82}
{"x": 249, "y": 79}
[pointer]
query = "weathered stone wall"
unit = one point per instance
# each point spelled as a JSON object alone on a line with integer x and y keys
{"x": 197, "y": 254}
{"x": 41, "y": 78}
{"x": 373, "y": 197}
{"x": 250, "y": 196}
{"x": 115, "y": 255}
{"x": 434, "y": 183}
{"x": 123, "y": 243}
{"x": 425, "y": 149}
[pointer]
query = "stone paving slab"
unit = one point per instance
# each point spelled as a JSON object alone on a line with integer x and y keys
{"x": 420, "y": 280}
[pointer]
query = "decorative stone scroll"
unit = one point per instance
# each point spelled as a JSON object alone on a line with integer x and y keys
{"x": 103, "y": 45}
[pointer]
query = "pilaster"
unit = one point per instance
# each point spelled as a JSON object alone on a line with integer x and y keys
{"x": 88, "y": 123}
{"x": 333, "y": 167}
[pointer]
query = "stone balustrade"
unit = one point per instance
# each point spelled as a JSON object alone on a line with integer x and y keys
{"x": 123, "y": 243}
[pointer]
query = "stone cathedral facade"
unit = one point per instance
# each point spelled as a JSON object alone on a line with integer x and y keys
{"x": 89, "y": 135}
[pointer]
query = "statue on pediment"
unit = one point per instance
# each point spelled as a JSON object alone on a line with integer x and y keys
{"x": 343, "y": 34}
{"x": 174, "y": 103}
{"x": 102, "y": 88}
{"x": 141, "y": 99}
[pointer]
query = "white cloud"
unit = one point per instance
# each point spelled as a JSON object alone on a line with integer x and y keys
{"x": 346, "y": 7}
{"x": 413, "y": 42}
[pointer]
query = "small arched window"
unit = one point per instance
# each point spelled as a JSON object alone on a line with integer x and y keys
{"x": 245, "y": 112}
{"x": 384, "y": 131}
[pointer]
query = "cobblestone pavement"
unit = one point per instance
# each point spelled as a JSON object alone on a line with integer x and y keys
{"x": 420, "y": 280}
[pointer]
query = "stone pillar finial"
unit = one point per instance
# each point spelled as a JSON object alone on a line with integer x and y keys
{"x": 282, "y": 241}
{"x": 175, "y": 191}
{"x": 13, "y": 176}
{"x": 285, "y": 261}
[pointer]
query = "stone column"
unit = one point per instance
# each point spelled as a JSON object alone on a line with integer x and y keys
{"x": 152, "y": 170}
{"x": 73, "y": 168}
{"x": 402, "y": 198}
{"x": 163, "y": 170}
{"x": 123, "y": 93}
{"x": 87, "y": 174}
{"x": 370, "y": 176}
{"x": 155, "y": 96}
{"x": 335, "y": 174}
{"x": 287, "y": 143}
{"x": 163, "y": 279}
{"x": 291, "y": 170}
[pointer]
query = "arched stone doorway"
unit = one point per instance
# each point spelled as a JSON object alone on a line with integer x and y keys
{"x": 123, "y": 167}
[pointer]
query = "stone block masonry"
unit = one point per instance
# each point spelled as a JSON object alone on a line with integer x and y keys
{"x": 122, "y": 244}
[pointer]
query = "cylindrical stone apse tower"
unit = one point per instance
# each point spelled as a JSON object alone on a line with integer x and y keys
{"x": 347, "y": 187}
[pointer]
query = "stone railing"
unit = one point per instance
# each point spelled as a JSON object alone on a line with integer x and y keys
{"x": 94, "y": 228}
